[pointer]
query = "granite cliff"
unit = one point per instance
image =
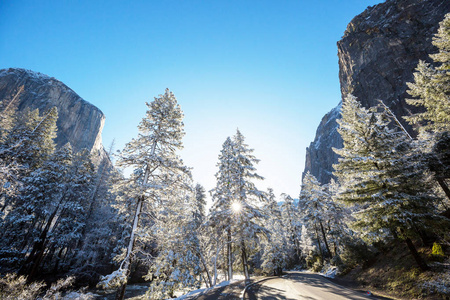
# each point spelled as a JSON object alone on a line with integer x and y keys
{"x": 79, "y": 122}
{"x": 377, "y": 56}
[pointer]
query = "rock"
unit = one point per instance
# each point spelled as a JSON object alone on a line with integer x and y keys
{"x": 377, "y": 56}
{"x": 319, "y": 154}
{"x": 79, "y": 122}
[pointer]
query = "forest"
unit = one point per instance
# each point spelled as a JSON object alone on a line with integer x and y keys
{"x": 66, "y": 222}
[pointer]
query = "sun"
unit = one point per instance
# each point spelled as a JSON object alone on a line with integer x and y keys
{"x": 236, "y": 206}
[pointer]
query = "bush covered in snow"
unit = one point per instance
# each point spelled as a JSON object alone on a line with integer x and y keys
{"x": 440, "y": 285}
{"x": 13, "y": 287}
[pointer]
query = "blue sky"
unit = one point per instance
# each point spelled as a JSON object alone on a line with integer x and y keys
{"x": 269, "y": 68}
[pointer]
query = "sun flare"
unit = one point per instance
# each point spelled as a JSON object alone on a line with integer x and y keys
{"x": 236, "y": 207}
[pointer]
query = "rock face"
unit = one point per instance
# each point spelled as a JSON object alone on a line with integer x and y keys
{"x": 79, "y": 122}
{"x": 377, "y": 56}
{"x": 320, "y": 155}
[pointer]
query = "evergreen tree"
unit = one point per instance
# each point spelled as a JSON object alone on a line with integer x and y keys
{"x": 374, "y": 176}
{"x": 27, "y": 145}
{"x": 314, "y": 203}
{"x": 8, "y": 108}
{"x": 248, "y": 199}
{"x": 276, "y": 248}
{"x": 98, "y": 238}
{"x": 292, "y": 225}
{"x": 431, "y": 86}
{"x": 221, "y": 217}
{"x": 178, "y": 264}
{"x": 431, "y": 91}
{"x": 26, "y": 148}
{"x": 199, "y": 204}
{"x": 42, "y": 202}
{"x": 157, "y": 169}
{"x": 236, "y": 200}
{"x": 30, "y": 142}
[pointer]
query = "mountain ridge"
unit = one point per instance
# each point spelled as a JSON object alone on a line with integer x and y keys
{"x": 79, "y": 122}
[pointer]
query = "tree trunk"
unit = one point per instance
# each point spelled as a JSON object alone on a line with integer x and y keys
{"x": 207, "y": 280}
{"x": 419, "y": 260}
{"x": 229, "y": 255}
{"x": 244, "y": 261}
{"x": 444, "y": 186}
{"x": 325, "y": 239}
{"x": 58, "y": 260}
{"x": 120, "y": 294}
{"x": 31, "y": 264}
{"x": 127, "y": 261}
{"x": 318, "y": 243}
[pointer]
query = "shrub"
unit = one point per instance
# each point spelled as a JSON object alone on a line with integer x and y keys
{"x": 16, "y": 287}
{"x": 437, "y": 254}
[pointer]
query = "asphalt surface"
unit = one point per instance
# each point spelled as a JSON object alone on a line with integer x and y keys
{"x": 301, "y": 285}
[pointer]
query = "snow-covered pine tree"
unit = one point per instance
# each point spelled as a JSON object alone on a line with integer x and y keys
{"x": 199, "y": 204}
{"x": 292, "y": 226}
{"x": 221, "y": 213}
{"x": 275, "y": 249}
{"x": 431, "y": 91}
{"x": 156, "y": 165}
{"x": 372, "y": 174}
{"x": 306, "y": 242}
{"x": 338, "y": 217}
{"x": 67, "y": 231}
{"x": 8, "y": 108}
{"x": 248, "y": 199}
{"x": 236, "y": 200}
{"x": 31, "y": 140}
{"x": 313, "y": 205}
{"x": 431, "y": 86}
{"x": 8, "y": 170}
{"x": 178, "y": 263}
{"x": 95, "y": 249}
{"x": 27, "y": 145}
{"x": 26, "y": 148}
{"x": 41, "y": 202}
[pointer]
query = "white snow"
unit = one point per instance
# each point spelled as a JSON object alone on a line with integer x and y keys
{"x": 330, "y": 272}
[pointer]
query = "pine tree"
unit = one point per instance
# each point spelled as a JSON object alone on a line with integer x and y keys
{"x": 157, "y": 169}
{"x": 98, "y": 237}
{"x": 199, "y": 204}
{"x": 374, "y": 175}
{"x": 248, "y": 198}
{"x": 27, "y": 148}
{"x": 8, "y": 169}
{"x": 42, "y": 202}
{"x": 292, "y": 225}
{"x": 8, "y": 108}
{"x": 221, "y": 214}
{"x": 72, "y": 218}
{"x": 178, "y": 263}
{"x": 236, "y": 200}
{"x": 314, "y": 203}
{"x": 431, "y": 86}
{"x": 31, "y": 140}
{"x": 24, "y": 148}
{"x": 276, "y": 248}
{"x": 431, "y": 91}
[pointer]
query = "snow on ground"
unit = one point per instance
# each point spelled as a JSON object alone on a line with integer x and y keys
{"x": 196, "y": 293}
{"x": 330, "y": 272}
{"x": 79, "y": 296}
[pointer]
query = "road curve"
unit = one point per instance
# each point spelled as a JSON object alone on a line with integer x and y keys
{"x": 301, "y": 285}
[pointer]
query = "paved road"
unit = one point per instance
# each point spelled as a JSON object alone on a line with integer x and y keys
{"x": 300, "y": 285}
